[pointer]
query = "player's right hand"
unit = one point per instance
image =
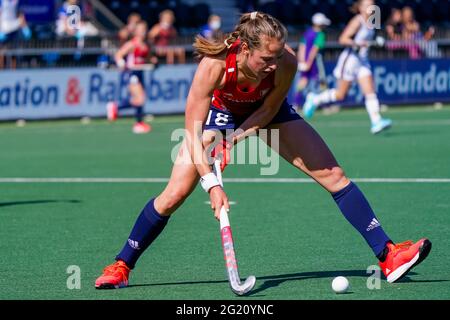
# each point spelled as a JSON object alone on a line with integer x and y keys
{"x": 222, "y": 152}
{"x": 218, "y": 200}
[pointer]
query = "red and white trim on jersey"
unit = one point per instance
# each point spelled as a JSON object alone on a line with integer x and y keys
{"x": 139, "y": 54}
{"x": 233, "y": 99}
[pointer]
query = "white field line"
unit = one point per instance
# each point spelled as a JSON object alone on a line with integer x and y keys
{"x": 67, "y": 127}
{"x": 228, "y": 180}
{"x": 407, "y": 123}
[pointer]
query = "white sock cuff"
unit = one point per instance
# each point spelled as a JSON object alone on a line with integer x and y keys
{"x": 371, "y": 96}
{"x": 324, "y": 97}
{"x": 333, "y": 95}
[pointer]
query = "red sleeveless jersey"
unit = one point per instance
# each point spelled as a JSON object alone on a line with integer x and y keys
{"x": 138, "y": 55}
{"x": 233, "y": 99}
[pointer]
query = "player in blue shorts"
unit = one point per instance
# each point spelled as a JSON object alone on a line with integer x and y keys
{"x": 242, "y": 83}
{"x": 310, "y": 45}
{"x": 130, "y": 58}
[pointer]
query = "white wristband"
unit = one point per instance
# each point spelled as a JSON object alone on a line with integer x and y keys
{"x": 208, "y": 181}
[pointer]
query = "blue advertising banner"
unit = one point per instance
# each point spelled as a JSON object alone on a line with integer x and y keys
{"x": 78, "y": 92}
{"x": 401, "y": 82}
{"x": 412, "y": 81}
{"x": 75, "y": 92}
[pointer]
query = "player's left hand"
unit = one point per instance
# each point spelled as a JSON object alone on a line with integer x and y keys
{"x": 222, "y": 152}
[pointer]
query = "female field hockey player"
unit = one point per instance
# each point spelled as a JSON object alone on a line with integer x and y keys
{"x": 311, "y": 43}
{"x": 131, "y": 57}
{"x": 242, "y": 83}
{"x": 353, "y": 64}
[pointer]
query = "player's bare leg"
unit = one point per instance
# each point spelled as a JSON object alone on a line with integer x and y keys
{"x": 137, "y": 101}
{"x": 378, "y": 124}
{"x": 302, "y": 146}
{"x": 313, "y": 100}
{"x": 154, "y": 218}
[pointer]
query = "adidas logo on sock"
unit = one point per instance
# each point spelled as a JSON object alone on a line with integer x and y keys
{"x": 373, "y": 224}
{"x": 134, "y": 244}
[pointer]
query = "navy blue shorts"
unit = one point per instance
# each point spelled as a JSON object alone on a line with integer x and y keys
{"x": 222, "y": 120}
{"x": 133, "y": 77}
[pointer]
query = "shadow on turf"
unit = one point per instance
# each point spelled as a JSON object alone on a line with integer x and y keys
{"x": 408, "y": 280}
{"x": 276, "y": 280}
{"x": 18, "y": 203}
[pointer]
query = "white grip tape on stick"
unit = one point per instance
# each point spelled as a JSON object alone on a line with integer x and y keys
{"x": 224, "y": 222}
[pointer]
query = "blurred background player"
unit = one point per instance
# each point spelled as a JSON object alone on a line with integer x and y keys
{"x": 12, "y": 21}
{"x": 129, "y": 57}
{"x": 13, "y": 26}
{"x": 311, "y": 43}
{"x": 353, "y": 64}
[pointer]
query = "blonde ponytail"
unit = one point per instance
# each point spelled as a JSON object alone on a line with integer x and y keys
{"x": 250, "y": 28}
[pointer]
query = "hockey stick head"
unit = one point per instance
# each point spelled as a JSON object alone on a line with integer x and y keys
{"x": 228, "y": 247}
{"x": 238, "y": 287}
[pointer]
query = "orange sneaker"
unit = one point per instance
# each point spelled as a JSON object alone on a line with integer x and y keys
{"x": 402, "y": 257}
{"x": 141, "y": 127}
{"x": 114, "y": 276}
{"x": 112, "y": 111}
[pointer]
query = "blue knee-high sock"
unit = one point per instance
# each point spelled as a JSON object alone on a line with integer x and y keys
{"x": 148, "y": 226}
{"x": 139, "y": 113}
{"x": 358, "y": 212}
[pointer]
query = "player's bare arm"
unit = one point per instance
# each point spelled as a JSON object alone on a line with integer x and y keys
{"x": 301, "y": 53}
{"x": 122, "y": 52}
{"x": 208, "y": 77}
{"x": 312, "y": 56}
{"x": 346, "y": 38}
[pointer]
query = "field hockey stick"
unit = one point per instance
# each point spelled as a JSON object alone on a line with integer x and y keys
{"x": 379, "y": 42}
{"x": 228, "y": 248}
{"x": 322, "y": 74}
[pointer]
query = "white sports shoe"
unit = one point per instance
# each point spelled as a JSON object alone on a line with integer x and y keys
{"x": 381, "y": 125}
{"x": 309, "y": 107}
{"x": 112, "y": 111}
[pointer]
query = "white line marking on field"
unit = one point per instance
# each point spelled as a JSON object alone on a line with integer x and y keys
{"x": 356, "y": 123}
{"x": 228, "y": 180}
